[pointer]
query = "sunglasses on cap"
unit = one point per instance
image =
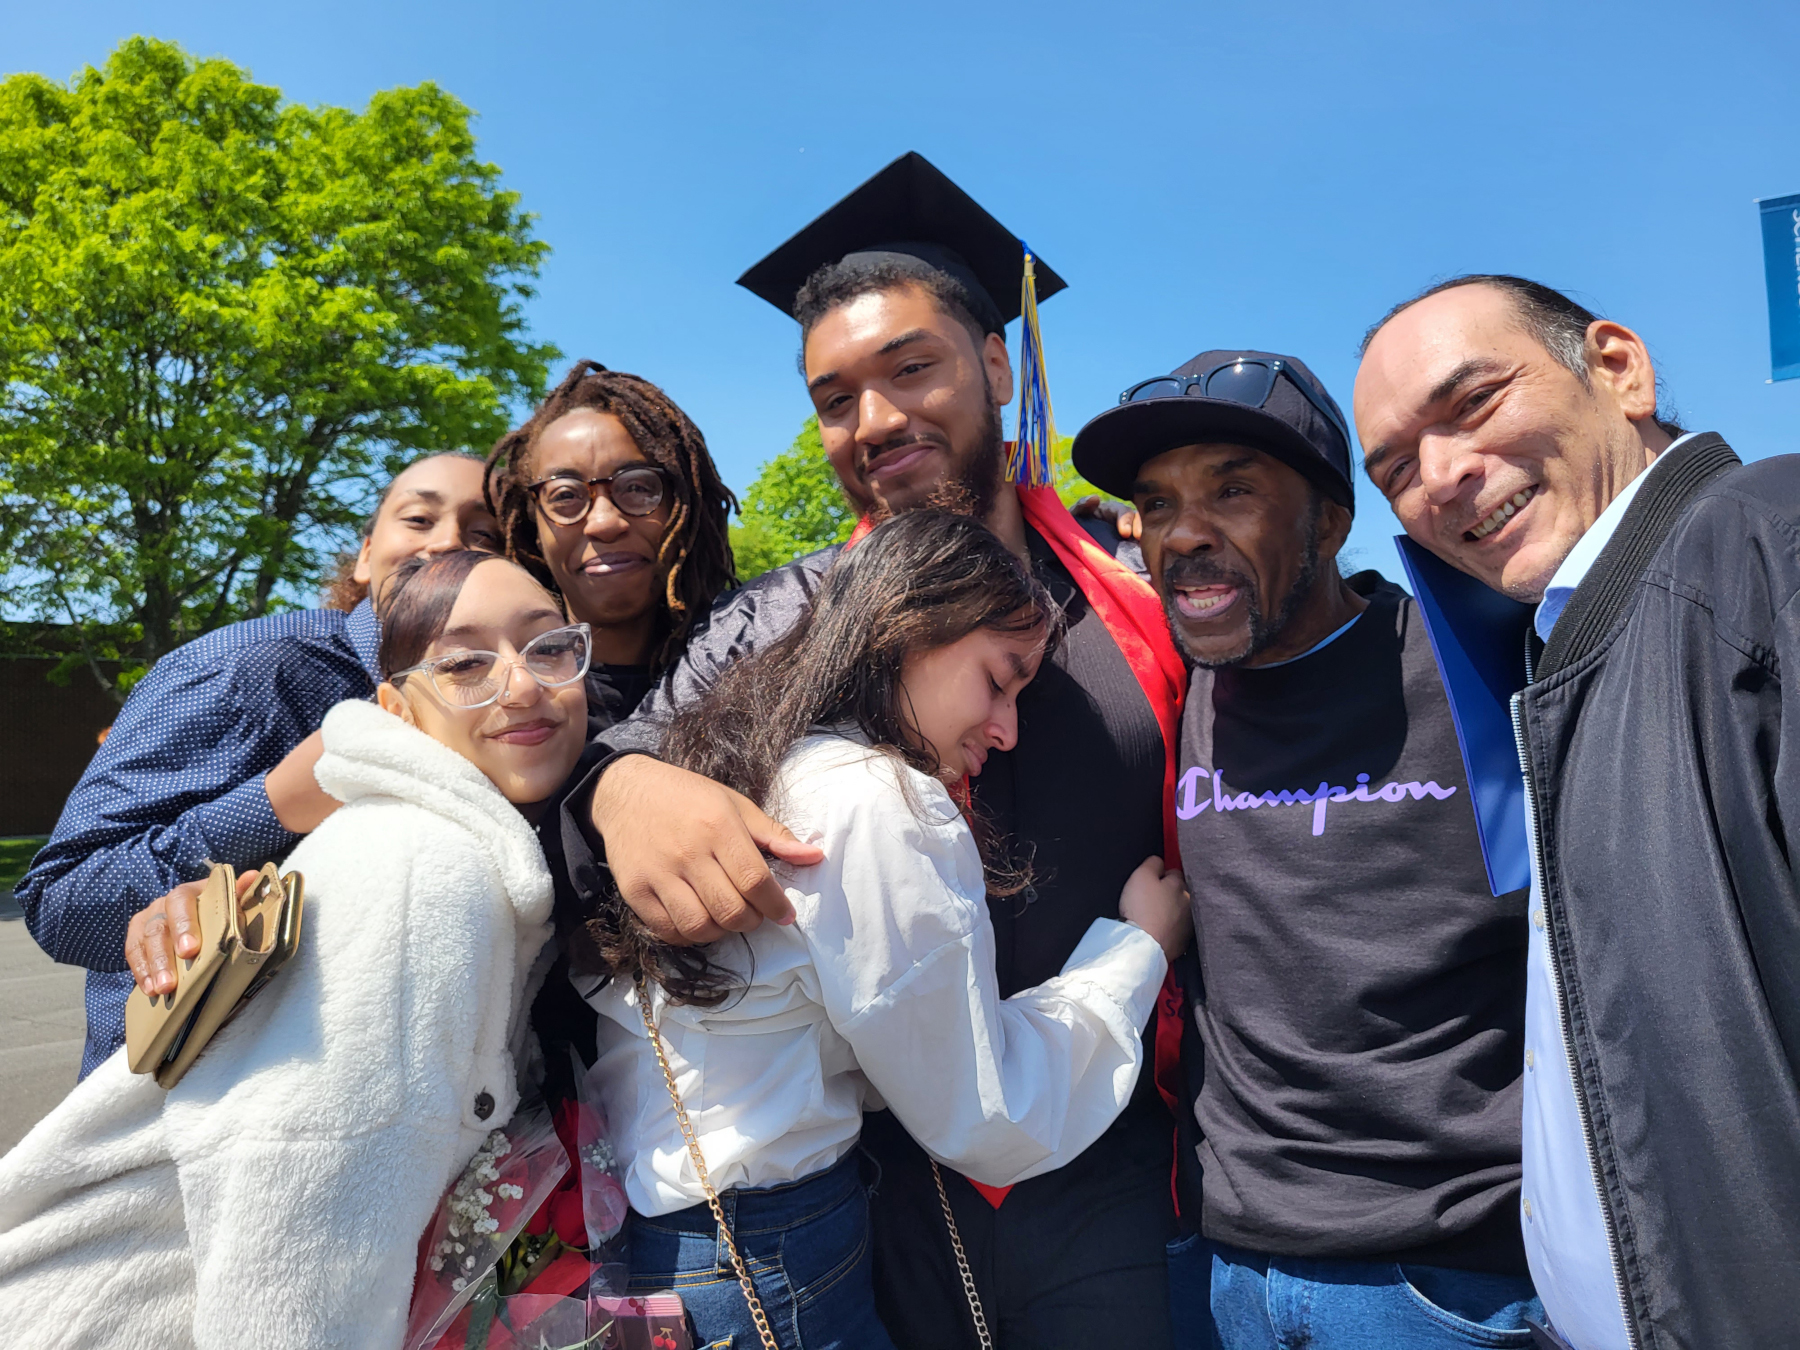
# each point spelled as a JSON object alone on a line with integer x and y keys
{"x": 1249, "y": 381}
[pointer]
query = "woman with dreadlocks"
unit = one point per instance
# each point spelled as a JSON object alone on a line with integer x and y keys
{"x": 607, "y": 493}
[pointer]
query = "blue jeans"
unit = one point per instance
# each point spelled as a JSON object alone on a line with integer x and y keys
{"x": 806, "y": 1245}
{"x": 1282, "y": 1303}
{"x": 1190, "y": 1288}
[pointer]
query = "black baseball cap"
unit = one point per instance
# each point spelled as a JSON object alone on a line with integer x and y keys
{"x": 909, "y": 210}
{"x": 1270, "y": 402}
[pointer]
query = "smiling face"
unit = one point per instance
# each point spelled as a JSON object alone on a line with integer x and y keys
{"x": 1493, "y": 455}
{"x": 1240, "y": 546}
{"x": 528, "y": 739}
{"x": 605, "y": 567}
{"x": 434, "y": 506}
{"x": 962, "y": 699}
{"x": 907, "y": 400}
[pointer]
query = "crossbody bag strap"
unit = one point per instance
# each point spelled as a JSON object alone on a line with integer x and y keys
{"x": 962, "y": 1263}
{"x": 712, "y": 1196}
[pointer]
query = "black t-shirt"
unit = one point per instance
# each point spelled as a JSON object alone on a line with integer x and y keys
{"x": 1364, "y": 990}
{"x": 613, "y": 694}
{"x": 1079, "y": 797}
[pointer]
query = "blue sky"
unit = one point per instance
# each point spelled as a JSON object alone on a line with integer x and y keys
{"x": 1204, "y": 175}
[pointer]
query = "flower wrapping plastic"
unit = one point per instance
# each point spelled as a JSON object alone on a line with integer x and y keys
{"x": 504, "y": 1184}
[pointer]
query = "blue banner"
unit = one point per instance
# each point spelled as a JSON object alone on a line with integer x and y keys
{"x": 1781, "y": 261}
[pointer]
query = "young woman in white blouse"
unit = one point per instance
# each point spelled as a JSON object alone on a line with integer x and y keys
{"x": 857, "y": 731}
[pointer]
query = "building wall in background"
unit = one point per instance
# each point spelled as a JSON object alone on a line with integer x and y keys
{"x": 48, "y": 733}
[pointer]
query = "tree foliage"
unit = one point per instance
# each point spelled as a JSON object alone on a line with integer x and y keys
{"x": 222, "y": 318}
{"x": 794, "y": 507}
{"x": 1069, "y": 485}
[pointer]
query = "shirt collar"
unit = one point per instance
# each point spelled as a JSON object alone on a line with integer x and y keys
{"x": 1322, "y": 643}
{"x": 364, "y": 632}
{"x": 1588, "y": 548}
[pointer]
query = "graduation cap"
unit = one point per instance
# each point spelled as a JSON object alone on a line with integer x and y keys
{"x": 910, "y": 210}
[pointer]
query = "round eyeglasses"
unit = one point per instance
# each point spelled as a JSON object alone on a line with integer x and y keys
{"x": 636, "y": 491}
{"x": 1248, "y": 381}
{"x": 474, "y": 679}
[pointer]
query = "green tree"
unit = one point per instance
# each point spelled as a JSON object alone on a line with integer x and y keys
{"x": 222, "y": 317}
{"x": 794, "y": 507}
{"x": 1069, "y": 485}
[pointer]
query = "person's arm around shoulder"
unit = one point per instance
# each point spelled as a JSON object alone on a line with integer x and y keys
{"x": 169, "y": 926}
{"x": 896, "y": 918}
{"x": 685, "y": 853}
{"x": 176, "y": 784}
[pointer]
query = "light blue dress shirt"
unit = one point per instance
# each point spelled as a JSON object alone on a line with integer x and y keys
{"x": 1565, "y": 1229}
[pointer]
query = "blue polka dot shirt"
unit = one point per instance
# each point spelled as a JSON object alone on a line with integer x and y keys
{"x": 178, "y": 785}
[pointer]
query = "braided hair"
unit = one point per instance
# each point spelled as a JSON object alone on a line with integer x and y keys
{"x": 695, "y": 555}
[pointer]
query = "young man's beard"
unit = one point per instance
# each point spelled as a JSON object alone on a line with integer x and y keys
{"x": 1262, "y": 631}
{"x": 973, "y": 483}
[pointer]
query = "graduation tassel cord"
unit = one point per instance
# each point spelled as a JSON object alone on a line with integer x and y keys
{"x": 1029, "y": 460}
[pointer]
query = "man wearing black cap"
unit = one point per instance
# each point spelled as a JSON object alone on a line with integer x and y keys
{"x": 1363, "y": 1005}
{"x": 902, "y": 292}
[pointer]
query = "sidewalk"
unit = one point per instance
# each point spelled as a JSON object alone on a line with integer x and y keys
{"x": 42, "y": 1024}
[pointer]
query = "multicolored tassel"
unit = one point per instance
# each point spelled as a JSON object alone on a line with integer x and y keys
{"x": 1029, "y": 459}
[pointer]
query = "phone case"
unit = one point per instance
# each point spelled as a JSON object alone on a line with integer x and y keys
{"x": 152, "y": 1025}
{"x": 242, "y": 946}
{"x": 256, "y": 938}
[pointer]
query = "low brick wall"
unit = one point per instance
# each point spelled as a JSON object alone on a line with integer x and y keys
{"x": 48, "y": 733}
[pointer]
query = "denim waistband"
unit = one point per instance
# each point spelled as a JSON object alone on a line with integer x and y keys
{"x": 750, "y": 1209}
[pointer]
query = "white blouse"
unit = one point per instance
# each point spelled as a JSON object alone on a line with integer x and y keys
{"x": 883, "y": 993}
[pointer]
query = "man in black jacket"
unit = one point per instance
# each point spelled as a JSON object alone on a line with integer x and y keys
{"x": 1517, "y": 437}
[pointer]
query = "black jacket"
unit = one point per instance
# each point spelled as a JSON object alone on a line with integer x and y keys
{"x": 1662, "y": 762}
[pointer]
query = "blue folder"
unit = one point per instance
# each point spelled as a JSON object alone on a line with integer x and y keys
{"x": 1478, "y": 637}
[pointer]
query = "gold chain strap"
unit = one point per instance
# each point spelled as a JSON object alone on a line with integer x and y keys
{"x": 962, "y": 1264}
{"x": 712, "y": 1197}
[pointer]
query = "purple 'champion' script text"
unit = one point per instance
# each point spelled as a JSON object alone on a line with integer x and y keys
{"x": 1189, "y": 804}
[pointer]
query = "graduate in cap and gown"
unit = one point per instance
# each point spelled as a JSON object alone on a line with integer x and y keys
{"x": 903, "y": 291}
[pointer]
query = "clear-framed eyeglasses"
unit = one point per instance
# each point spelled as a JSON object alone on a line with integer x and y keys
{"x": 474, "y": 679}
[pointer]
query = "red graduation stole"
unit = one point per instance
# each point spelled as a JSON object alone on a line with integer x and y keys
{"x": 1132, "y": 613}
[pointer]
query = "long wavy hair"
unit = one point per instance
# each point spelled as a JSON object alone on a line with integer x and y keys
{"x": 919, "y": 581}
{"x": 694, "y": 558}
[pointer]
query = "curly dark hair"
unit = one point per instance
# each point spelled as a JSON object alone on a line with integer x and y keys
{"x": 919, "y": 581}
{"x": 852, "y": 278}
{"x": 695, "y": 557}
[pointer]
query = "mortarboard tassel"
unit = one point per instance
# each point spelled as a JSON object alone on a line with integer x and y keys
{"x": 1029, "y": 461}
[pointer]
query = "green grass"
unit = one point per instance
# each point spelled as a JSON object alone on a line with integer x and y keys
{"x": 15, "y": 857}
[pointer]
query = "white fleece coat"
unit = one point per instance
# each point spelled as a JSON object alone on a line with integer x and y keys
{"x": 276, "y": 1197}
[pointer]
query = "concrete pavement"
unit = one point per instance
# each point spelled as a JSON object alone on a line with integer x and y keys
{"x": 42, "y": 1025}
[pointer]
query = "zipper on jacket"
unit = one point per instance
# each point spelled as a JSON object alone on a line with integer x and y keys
{"x": 1562, "y": 1013}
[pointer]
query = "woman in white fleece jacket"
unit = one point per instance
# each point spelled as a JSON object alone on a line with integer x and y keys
{"x": 275, "y": 1197}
